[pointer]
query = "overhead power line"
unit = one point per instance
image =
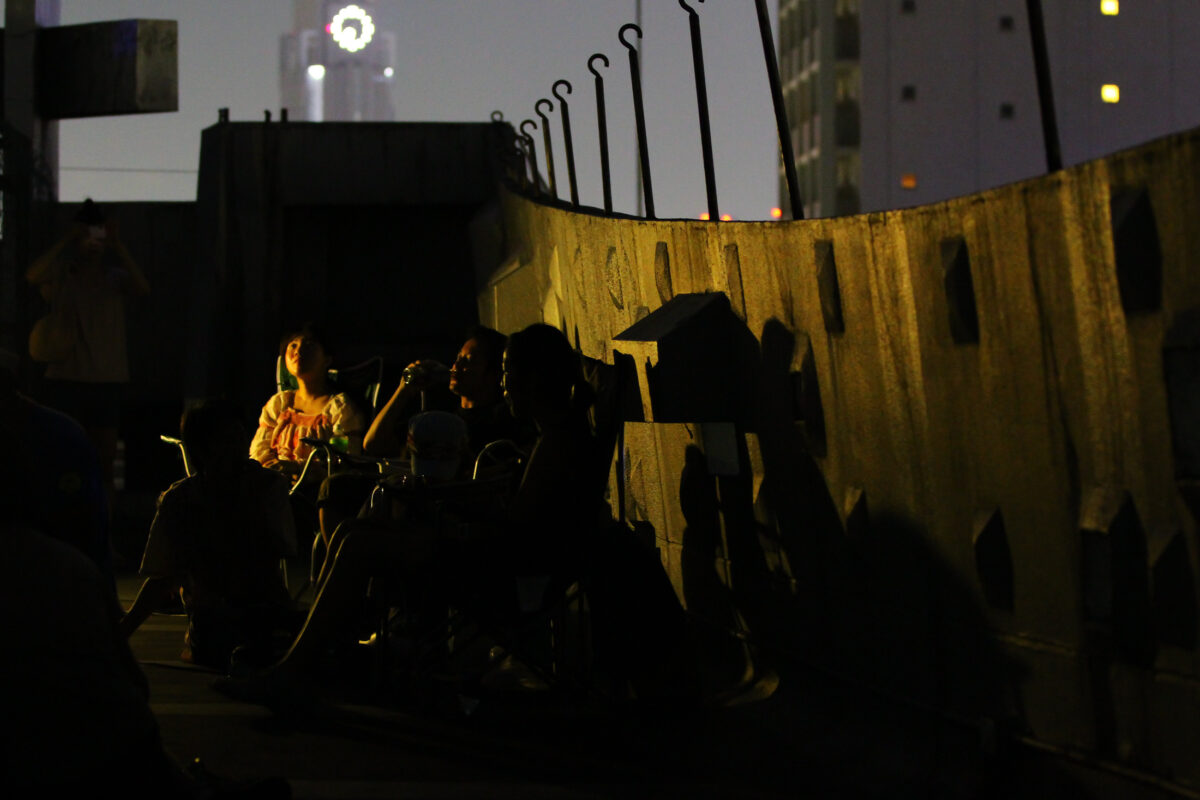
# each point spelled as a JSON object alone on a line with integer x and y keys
{"x": 128, "y": 169}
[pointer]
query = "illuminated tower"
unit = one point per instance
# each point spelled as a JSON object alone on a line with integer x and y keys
{"x": 337, "y": 65}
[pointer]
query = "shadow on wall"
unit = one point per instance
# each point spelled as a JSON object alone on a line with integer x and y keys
{"x": 866, "y": 598}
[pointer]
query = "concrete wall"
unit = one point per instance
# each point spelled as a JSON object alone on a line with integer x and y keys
{"x": 971, "y": 490}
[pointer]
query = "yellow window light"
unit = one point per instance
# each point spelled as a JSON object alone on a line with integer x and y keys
{"x": 1110, "y": 8}
{"x": 908, "y": 181}
{"x": 704, "y": 216}
{"x": 1110, "y": 93}
{"x": 776, "y": 213}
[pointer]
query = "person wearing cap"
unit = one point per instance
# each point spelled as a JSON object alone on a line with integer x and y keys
{"x": 86, "y": 277}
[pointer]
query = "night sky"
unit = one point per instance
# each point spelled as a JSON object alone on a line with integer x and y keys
{"x": 459, "y": 60}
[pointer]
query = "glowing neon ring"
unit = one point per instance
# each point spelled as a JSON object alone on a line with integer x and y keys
{"x": 348, "y": 38}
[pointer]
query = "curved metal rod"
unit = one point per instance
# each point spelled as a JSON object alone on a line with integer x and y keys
{"x": 567, "y": 143}
{"x": 602, "y": 127}
{"x": 591, "y": 68}
{"x": 706, "y": 148}
{"x": 548, "y": 144}
{"x": 629, "y": 26}
{"x": 528, "y": 139}
{"x": 639, "y": 115}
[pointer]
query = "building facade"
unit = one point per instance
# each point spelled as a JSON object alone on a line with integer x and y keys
{"x": 336, "y": 64}
{"x": 896, "y": 103}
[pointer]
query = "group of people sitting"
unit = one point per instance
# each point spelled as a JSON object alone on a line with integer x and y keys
{"x": 219, "y": 534}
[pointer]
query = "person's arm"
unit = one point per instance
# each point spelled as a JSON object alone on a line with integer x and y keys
{"x": 381, "y": 438}
{"x": 154, "y": 593}
{"x": 260, "y": 446}
{"x": 135, "y": 283}
{"x": 345, "y": 413}
{"x": 44, "y": 268}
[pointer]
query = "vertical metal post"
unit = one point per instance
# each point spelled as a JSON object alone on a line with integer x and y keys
{"x": 537, "y": 109}
{"x": 710, "y": 179}
{"x": 781, "y": 120}
{"x": 566, "y": 122}
{"x": 602, "y": 125}
{"x": 639, "y": 114}
{"x": 1041, "y": 63}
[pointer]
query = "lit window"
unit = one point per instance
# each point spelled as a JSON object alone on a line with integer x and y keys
{"x": 908, "y": 181}
{"x": 316, "y": 72}
{"x": 704, "y": 216}
{"x": 776, "y": 213}
{"x": 726, "y": 217}
{"x": 1110, "y": 93}
{"x": 1110, "y": 8}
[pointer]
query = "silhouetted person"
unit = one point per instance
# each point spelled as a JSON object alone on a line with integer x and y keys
{"x": 65, "y": 497}
{"x": 217, "y": 539}
{"x": 86, "y": 277}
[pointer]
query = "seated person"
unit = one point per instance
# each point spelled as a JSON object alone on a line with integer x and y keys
{"x": 312, "y": 410}
{"x": 217, "y": 539}
{"x": 66, "y": 497}
{"x": 559, "y": 500}
{"x": 474, "y": 379}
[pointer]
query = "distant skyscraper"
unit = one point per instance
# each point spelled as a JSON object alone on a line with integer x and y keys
{"x": 336, "y": 64}
{"x": 896, "y": 103}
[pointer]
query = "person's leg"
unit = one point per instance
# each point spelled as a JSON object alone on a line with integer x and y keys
{"x": 360, "y": 552}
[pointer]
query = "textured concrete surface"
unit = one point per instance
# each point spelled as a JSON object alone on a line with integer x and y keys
{"x": 961, "y": 469}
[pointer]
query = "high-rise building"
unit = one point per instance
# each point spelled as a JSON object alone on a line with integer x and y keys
{"x": 896, "y": 103}
{"x": 336, "y": 64}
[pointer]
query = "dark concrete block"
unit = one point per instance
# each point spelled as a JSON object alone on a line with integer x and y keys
{"x": 806, "y": 402}
{"x": 857, "y": 515}
{"x": 993, "y": 559}
{"x": 1181, "y": 373}
{"x": 129, "y": 66}
{"x": 1115, "y": 575}
{"x": 1137, "y": 250}
{"x": 1173, "y": 605}
{"x": 960, "y": 291}
{"x": 662, "y": 272}
{"x": 827, "y": 287}
{"x": 733, "y": 275}
{"x": 695, "y": 361}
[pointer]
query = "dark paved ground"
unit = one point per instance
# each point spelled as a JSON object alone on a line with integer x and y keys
{"x": 808, "y": 737}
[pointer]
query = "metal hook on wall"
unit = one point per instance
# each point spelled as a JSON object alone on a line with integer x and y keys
{"x": 529, "y": 148}
{"x": 639, "y": 113}
{"x": 546, "y": 141}
{"x": 566, "y": 123}
{"x": 710, "y": 180}
{"x": 602, "y": 126}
